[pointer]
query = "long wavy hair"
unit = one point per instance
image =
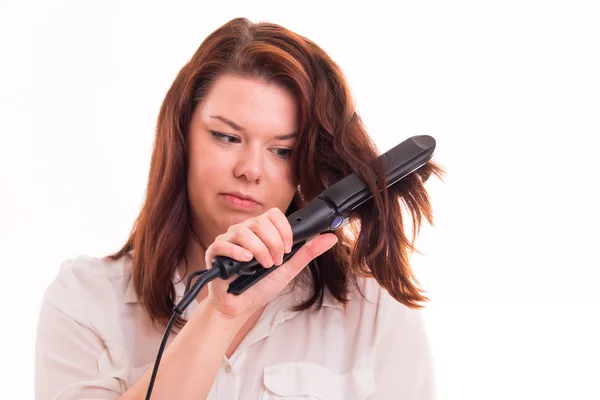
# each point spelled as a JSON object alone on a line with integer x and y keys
{"x": 332, "y": 143}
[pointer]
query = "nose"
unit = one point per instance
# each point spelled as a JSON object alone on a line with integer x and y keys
{"x": 250, "y": 164}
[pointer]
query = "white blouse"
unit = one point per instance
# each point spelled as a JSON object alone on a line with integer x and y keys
{"x": 94, "y": 340}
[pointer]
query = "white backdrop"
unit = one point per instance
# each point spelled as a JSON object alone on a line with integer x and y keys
{"x": 510, "y": 90}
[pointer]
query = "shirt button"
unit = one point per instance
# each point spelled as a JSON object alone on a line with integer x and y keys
{"x": 228, "y": 369}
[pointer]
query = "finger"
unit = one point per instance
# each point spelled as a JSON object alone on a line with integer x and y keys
{"x": 227, "y": 249}
{"x": 283, "y": 226}
{"x": 249, "y": 240}
{"x": 264, "y": 228}
{"x": 308, "y": 252}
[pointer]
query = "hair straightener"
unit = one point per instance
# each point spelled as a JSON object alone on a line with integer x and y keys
{"x": 325, "y": 213}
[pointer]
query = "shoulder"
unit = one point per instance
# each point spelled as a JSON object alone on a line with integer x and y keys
{"x": 397, "y": 343}
{"x": 369, "y": 296}
{"x": 377, "y": 307}
{"x": 85, "y": 285}
{"x": 85, "y": 274}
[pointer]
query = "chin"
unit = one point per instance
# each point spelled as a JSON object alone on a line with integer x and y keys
{"x": 236, "y": 218}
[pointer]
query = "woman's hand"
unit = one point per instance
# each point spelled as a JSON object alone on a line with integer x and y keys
{"x": 265, "y": 237}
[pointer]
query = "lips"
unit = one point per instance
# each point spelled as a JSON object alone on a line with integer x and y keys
{"x": 242, "y": 196}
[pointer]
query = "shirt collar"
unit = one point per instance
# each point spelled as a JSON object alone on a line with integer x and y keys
{"x": 292, "y": 293}
{"x": 132, "y": 298}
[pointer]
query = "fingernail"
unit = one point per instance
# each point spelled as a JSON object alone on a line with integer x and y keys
{"x": 288, "y": 247}
{"x": 247, "y": 255}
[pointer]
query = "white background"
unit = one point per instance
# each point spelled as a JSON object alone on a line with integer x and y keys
{"x": 510, "y": 90}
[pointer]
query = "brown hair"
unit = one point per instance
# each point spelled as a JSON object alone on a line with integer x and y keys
{"x": 332, "y": 143}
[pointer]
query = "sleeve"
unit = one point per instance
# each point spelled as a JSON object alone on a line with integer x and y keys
{"x": 69, "y": 354}
{"x": 403, "y": 364}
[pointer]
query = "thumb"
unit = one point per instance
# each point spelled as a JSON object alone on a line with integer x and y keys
{"x": 292, "y": 267}
{"x": 311, "y": 250}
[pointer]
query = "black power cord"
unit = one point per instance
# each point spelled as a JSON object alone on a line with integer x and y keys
{"x": 222, "y": 267}
{"x": 191, "y": 291}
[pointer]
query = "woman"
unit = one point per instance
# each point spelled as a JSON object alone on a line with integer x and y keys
{"x": 255, "y": 125}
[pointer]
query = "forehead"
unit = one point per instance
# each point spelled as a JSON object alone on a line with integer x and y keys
{"x": 251, "y": 103}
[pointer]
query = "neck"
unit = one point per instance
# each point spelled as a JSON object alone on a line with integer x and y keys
{"x": 194, "y": 253}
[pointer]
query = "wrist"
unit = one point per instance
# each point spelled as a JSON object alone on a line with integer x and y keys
{"x": 213, "y": 315}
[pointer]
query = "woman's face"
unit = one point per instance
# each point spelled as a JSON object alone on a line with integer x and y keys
{"x": 240, "y": 140}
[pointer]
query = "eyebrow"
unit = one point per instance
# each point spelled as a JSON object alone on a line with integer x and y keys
{"x": 239, "y": 128}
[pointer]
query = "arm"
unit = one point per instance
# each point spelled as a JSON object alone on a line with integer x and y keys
{"x": 70, "y": 347}
{"x": 190, "y": 363}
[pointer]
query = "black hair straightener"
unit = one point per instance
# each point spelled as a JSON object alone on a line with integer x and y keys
{"x": 326, "y": 212}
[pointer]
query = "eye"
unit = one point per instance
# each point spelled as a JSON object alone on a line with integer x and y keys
{"x": 283, "y": 153}
{"x": 224, "y": 138}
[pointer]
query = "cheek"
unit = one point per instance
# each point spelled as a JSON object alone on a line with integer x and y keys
{"x": 280, "y": 173}
{"x": 203, "y": 172}
{"x": 284, "y": 187}
{"x": 205, "y": 167}
{"x": 201, "y": 179}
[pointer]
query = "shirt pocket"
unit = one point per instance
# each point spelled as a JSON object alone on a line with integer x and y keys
{"x": 309, "y": 381}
